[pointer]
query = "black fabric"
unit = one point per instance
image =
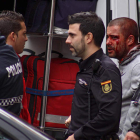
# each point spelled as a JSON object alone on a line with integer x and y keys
{"x": 37, "y": 16}
{"x": 6, "y": 5}
{"x": 68, "y": 7}
{"x": 136, "y": 129}
{"x": 136, "y": 124}
{"x": 25, "y": 67}
{"x": 136, "y": 96}
{"x": 11, "y": 81}
{"x": 58, "y": 135}
{"x": 21, "y": 6}
{"x": 105, "y": 107}
{"x": 96, "y": 66}
{"x": 33, "y": 98}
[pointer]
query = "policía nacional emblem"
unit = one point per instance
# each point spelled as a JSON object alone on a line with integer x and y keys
{"x": 106, "y": 86}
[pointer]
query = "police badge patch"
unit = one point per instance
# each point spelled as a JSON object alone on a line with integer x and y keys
{"x": 106, "y": 86}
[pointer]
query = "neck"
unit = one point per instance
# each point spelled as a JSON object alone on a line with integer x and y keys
{"x": 90, "y": 51}
{"x": 127, "y": 53}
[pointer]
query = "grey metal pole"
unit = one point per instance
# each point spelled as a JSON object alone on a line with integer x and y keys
{"x": 14, "y": 8}
{"x": 47, "y": 66}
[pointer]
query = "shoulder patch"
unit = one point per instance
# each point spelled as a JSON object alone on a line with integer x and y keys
{"x": 106, "y": 86}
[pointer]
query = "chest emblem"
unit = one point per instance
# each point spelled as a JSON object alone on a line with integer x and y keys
{"x": 106, "y": 86}
{"x": 82, "y": 82}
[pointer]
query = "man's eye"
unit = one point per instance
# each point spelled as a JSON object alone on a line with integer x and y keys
{"x": 72, "y": 35}
{"x": 114, "y": 37}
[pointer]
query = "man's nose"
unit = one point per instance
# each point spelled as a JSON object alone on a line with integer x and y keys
{"x": 108, "y": 41}
{"x": 26, "y": 38}
{"x": 68, "y": 40}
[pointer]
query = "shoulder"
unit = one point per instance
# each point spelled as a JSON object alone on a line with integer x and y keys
{"x": 134, "y": 66}
{"x": 7, "y": 52}
{"x": 109, "y": 71}
{"x": 108, "y": 64}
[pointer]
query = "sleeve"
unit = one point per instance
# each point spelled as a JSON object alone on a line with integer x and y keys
{"x": 107, "y": 90}
{"x": 136, "y": 125}
{"x": 133, "y": 110}
{"x": 135, "y": 77}
{"x": 3, "y": 74}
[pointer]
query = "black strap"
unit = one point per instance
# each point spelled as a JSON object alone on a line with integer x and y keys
{"x": 136, "y": 96}
{"x": 33, "y": 115}
{"x": 33, "y": 97}
{"x": 26, "y": 76}
{"x": 25, "y": 67}
{"x": 95, "y": 67}
{"x": 71, "y": 61}
{"x": 43, "y": 54}
{"x": 30, "y": 51}
{"x": 31, "y": 102}
{"x": 88, "y": 92}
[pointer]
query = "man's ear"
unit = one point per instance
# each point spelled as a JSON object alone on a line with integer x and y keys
{"x": 12, "y": 36}
{"x": 130, "y": 40}
{"x": 89, "y": 37}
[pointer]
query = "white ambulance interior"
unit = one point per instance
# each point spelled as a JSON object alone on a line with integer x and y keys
{"x": 106, "y": 9}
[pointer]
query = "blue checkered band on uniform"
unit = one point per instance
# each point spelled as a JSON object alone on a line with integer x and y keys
{"x": 11, "y": 101}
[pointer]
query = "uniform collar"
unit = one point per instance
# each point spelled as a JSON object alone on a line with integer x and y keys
{"x": 2, "y": 40}
{"x": 85, "y": 64}
{"x": 133, "y": 53}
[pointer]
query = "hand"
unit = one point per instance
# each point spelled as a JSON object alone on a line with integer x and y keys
{"x": 67, "y": 122}
{"x": 71, "y": 137}
{"x": 131, "y": 136}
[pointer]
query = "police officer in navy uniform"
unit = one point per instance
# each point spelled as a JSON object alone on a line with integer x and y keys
{"x": 97, "y": 95}
{"x": 12, "y": 41}
{"x": 11, "y": 83}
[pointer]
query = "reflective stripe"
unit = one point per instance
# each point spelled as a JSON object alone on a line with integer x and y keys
{"x": 54, "y": 118}
{"x": 11, "y": 101}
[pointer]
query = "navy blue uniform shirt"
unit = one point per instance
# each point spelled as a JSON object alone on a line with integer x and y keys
{"x": 11, "y": 82}
{"x": 105, "y": 100}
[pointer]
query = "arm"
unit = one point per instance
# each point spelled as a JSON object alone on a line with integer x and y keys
{"x": 71, "y": 137}
{"x": 67, "y": 122}
{"x": 131, "y": 136}
{"x": 134, "y": 132}
{"x": 132, "y": 114}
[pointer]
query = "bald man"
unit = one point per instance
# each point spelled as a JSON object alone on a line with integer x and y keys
{"x": 122, "y": 44}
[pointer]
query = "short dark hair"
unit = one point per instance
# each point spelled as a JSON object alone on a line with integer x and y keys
{"x": 127, "y": 27}
{"x": 89, "y": 22}
{"x": 10, "y": 21}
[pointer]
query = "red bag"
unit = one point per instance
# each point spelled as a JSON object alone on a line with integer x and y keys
{"x": 24, "y": 114}
{"x": 62, "y": 78}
